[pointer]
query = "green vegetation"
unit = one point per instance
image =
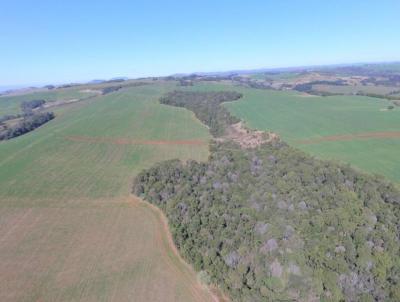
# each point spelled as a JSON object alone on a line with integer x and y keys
{"x": 28, "y": 106}
{"x": 90, "y": 169}
{"x": 274, "y": 223}
{"x": 275, "y": 75}
{"x": 11, "y": 104}
{"x": 110, "y": 89}
{"x": 356, "y": 89}
{"x": 28, "y": 123}
{"x": 297, "y": 118}
{"x": 15, "y": 125}
{"x": 309, "y": 87}
{"x": 69, "y": 229}
{"x": 206, "y": 106}
{"x": 270, "y": 223}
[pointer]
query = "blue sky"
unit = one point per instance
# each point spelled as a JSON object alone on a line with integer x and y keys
{"x": 63, "y": 41}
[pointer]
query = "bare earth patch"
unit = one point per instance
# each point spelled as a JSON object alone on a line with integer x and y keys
{"x": 306, "y": 95}
{"x": 247, "y": 138}
{"x": 59, "y": 103}
{"x": 350, "y": 137}
{"x": 126, "y": 141}
{"x": 91, "y": 91}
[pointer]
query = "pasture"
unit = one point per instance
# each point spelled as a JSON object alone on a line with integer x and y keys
{"x": 69, "y": 229}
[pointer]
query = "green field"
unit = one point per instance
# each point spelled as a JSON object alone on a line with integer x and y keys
{"x": 296, "y": 117}
{"x": 69, "y": 228}
{"x": 11, "y": 104}
{"x": 99, "y": 169}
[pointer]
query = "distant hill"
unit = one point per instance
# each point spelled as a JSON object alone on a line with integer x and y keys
{"x": 366, "y": 67}
{"x": 96, "y": 81}
{"x": 119, "y": 79}
{"x": 8, "y": 88}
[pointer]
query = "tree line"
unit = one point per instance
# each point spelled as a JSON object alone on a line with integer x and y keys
{"x": 27, "y": 124}
{"x": 27, "y": 121}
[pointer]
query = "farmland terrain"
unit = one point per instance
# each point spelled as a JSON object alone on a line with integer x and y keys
{"x": 70, "y": 231}
{"x": 9, "y": 104}
{"x": 359, "y": 130}
{"x": 245, "y": 219}
{"x": 267, "y": 222}
{"x": 354, "y": 129}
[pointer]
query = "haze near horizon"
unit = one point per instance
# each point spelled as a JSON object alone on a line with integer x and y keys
{"x": 46, "y": 42}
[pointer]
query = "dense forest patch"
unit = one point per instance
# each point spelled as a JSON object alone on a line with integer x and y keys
{"x": 273, "y": 223}
{"x": 28, "y": 106}
{"x": 110, "y": 89}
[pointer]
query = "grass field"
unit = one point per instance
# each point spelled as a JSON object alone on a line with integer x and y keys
{"x": 69, "y": 229}
{"x": 297, "y": 118}
{"x": 11, "y": 104}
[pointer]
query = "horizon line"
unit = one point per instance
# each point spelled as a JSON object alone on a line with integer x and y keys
{"x": 12, "y": 87}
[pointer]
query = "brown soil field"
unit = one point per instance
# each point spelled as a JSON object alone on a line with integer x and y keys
{"x": 350, "y": 137}
{"x": 73, "y": 254}
{"x": 125, "y": 141}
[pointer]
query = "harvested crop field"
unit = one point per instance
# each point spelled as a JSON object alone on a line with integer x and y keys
{"x": 70, "y": 231}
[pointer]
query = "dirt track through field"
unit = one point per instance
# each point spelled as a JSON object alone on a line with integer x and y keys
{"x": 125, "y": 141}
{"x": 350, "y": 137}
